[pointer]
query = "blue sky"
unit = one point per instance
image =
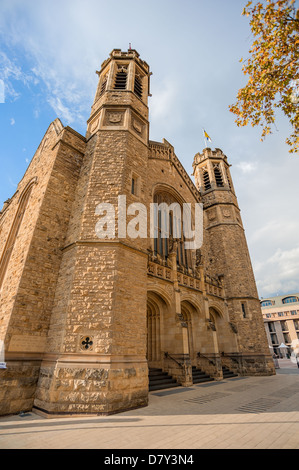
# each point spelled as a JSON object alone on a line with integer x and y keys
{"x": 50, "y": 51}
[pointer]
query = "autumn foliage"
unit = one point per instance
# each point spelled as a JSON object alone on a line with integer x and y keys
{"x": 272, "y": 69}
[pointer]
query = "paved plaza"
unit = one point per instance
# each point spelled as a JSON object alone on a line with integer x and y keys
{"x": 237, "y": 413}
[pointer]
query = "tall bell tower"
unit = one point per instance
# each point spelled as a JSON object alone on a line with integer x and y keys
{"x": 121, "y": 98}
{"x": 96, "y": 359}
{"x": 228, "y": 256}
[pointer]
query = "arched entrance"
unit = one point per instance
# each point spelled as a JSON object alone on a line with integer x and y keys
{"x": 217, "y": 324}
{"x": 156, "y": 308}
{"x": 188, "y": 311}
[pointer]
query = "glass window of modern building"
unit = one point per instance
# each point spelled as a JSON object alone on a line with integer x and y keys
{"x": 283, "y": 323}
{"x": 290, "y": 299}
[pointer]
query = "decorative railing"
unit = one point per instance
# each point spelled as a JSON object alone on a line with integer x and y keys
{"x": 183, "y": 365}
{"x": 213, "y": 289}
{"x": 165, "y": 272}
{"x": 156, "y": 269}
{"x": 189, "y": 281}
{"x": 214, "y": 285}
{"x": 185, "y": 278}
{"x": 232, "y": 357}
{"x": 207, "y": 358}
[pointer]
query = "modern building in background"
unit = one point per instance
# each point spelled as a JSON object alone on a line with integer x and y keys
{"x": 281, "y": 319}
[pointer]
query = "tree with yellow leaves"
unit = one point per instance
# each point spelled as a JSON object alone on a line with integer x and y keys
{"x": 272, "y": 68}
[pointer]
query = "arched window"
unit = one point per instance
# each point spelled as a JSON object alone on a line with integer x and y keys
{"x": 169, "y": 228}
{"x": 290, "y": 299}
{"x": 8, "y": 248}
{"x": 265, "y": 303}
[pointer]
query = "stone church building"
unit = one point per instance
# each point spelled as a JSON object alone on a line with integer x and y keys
{"x": 91, "y": 325}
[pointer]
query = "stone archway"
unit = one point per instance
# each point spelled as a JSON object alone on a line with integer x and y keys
{"x": 188, "y": 312}
{"x": 217, "y": 324}
{"x": 156, "y": 308}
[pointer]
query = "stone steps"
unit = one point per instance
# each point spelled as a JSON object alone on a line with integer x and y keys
{"x": 227, "y": 373}
{"x": 159, "y": 380}
{"x": 199, "y": 376}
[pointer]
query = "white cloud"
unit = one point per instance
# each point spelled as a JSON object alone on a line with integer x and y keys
{"x": 62, "y": 64}
{"x": 278, "y": 231}
{"x": 12, "y": 121}
{"x": 247, "y": 167}
{"x": 2, "y": 91}
{"x": 163, "y": 99}
{"x": 164, "y": 112}
{"x": 9, "y": 72}
{"x": 61, "y": 110}
{"x": 9, "y": 68}
{"x": 279, "y": 273}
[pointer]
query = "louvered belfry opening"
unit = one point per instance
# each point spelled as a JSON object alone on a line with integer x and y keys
{"x": 103, "y": 86}
{"x": 218, "y": 177}
{"x": 206, "y": 180}
{"x": 138, "y": 86}
{"x": 120, "y": 80}
{"x": 229, "y": 181}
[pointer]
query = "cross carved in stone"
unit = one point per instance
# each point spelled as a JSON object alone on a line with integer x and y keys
{"x": 86, "y": 343}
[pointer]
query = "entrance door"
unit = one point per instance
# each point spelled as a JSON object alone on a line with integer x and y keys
{"x": 188, "y": 320}
{"x": 153, "y": 338}
{"x": 155, "y": 308}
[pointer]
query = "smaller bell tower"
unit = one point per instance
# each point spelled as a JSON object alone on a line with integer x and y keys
{"x": 228, "y": 255}
{"x": 227, "y": 243}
